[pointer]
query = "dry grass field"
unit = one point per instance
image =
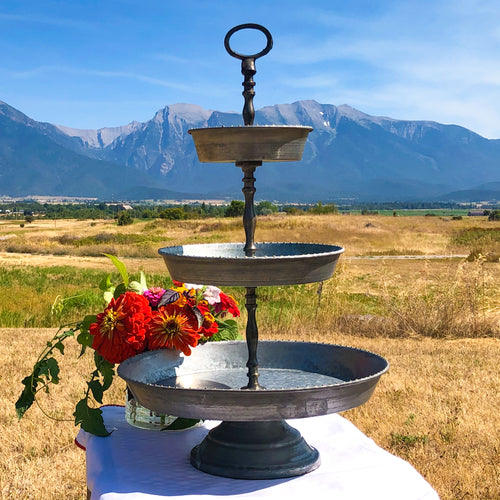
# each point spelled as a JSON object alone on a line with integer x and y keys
{"x": 437, "y": 321}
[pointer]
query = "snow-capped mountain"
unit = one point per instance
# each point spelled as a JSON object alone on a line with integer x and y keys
{"x": 349, "y": 153}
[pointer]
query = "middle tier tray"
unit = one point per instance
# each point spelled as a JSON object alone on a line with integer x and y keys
{"x": 225, "y": 264}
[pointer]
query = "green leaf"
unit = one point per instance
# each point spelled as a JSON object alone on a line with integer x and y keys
{"x": 43, "y": 368}
{"x": 85, "y": 339}
{"x": 97, "y": 390}
{"x": 27, "y": 397}
{"x": 105, "y": 283}
{"x": 59, "y": 346}
{"x": 135, "y": 286}
{"x": 87, "y": 321}
{"x": 53, "y": 370}
{"x": 121, "y": 288}
{"x": 180, "y": 423}
{"x": 120, "y": 266}
{"x": 65, "y": 334}
{"x": 228, "y": 330}
{"x": 106, "y": 369}
{"x": 90, "y": 419}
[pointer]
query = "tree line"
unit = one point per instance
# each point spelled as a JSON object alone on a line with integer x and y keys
{"x": 125, "y": 214}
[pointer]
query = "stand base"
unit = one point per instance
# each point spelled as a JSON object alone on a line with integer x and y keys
{"x": 255, "y": 450}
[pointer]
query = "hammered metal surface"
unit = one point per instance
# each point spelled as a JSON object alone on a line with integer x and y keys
{"x": 253, "y": 143}
{"x": 225, "y": 264}
{"x": 315, "y": 379}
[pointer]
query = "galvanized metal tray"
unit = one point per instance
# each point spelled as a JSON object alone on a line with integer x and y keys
{"x": 225, "y": 264}
{"x": 301, "y": 380}
{"x": 269, "y": 143}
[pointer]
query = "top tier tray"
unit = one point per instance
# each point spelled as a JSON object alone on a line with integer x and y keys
{"x": 256, "y": 144}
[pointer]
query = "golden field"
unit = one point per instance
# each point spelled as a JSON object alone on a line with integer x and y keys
{"x": 437, "y": 322}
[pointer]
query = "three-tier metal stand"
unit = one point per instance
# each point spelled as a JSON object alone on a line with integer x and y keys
{"x": 282, "y": 380}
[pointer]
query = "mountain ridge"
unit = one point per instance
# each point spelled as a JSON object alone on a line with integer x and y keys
{"x": 348, "y": 154}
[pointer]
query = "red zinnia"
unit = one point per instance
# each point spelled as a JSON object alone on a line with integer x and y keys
{"x": 120, "y": 331}
{"x": 209, "y": 326}
{"x": 174, "y": 327}
{"x": 227, "y": 304}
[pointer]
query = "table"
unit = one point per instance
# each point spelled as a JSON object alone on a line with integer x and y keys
{"x": 137, "y": 464}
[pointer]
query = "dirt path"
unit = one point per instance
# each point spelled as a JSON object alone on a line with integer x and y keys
{"x": 48, "y": 260}
{"x": 148, "y": 264}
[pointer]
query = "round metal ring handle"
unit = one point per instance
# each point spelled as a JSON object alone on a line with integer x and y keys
{"x": 240, "y": 27}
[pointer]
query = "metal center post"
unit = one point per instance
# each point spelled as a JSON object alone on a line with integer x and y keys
{"x": 249, "y": 224}
{"x": 249, "y": 218}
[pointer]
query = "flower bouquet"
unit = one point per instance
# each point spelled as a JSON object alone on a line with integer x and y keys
{"x": 135, "y": 319}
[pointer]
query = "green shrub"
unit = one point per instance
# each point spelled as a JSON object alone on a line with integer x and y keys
{"x": 125, "y": 218}
{"x": 173, "y": 213}
{"x": 235, "y": 209}
{"x": 494, "y": 215}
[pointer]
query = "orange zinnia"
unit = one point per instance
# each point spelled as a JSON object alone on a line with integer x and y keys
{"x": 174, "y": 327}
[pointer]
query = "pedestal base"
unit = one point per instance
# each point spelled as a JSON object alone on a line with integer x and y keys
{"x": 255, "y": 450}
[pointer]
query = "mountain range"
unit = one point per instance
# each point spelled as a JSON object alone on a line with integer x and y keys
{"x": 349, "y": 155}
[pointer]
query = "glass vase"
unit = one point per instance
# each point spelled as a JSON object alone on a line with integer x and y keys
{"x": 139, "y": 416}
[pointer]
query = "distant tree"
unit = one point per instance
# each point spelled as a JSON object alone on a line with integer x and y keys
{"x": 293, "y": 211}
{"x": 266, "y": 208}
{"x": 147, "y": 214}
{"x": 235, "y": 209}
{"x": 494, "y": 215}
{"x": 173, "y": 213}
{"x": 125, "y": 218}
{"x": 319, "y": 208}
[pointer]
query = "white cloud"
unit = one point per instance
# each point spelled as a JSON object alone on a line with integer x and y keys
{"x": 438, "y": 61}
{"x": 35, "y": 72}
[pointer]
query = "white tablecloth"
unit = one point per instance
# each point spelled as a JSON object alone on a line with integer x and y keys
{"x": 136, "y": 464}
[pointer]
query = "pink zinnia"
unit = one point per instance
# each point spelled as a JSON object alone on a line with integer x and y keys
{"x": 154, "y": 294}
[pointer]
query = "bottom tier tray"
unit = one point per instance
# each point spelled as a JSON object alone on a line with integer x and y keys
{"x": 254, "y": 442}
{"x": 301, "y": 379}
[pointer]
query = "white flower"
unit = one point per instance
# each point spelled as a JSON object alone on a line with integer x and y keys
{"x": 191, "y": 286}
{"x": 211, "y": 294}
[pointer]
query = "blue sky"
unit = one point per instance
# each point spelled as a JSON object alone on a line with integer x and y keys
{"x": 93, "y": 64}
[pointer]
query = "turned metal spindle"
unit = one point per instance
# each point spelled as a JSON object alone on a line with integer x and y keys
{"x": 252, "y": 335}
{"x": 249, "y": 223}
{"x": 248, "y": 70}
{"x": 249, "y": 217}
